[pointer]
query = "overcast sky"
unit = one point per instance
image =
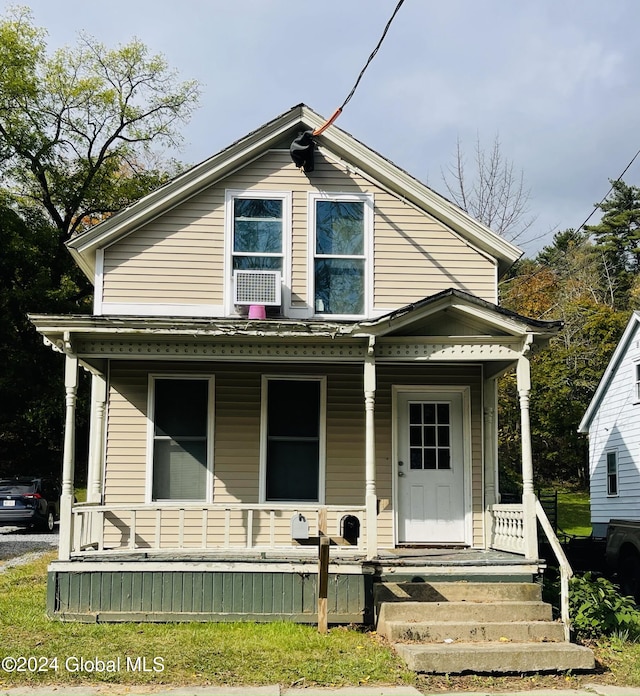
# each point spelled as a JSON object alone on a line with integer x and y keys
{"x": 556, "y": 80}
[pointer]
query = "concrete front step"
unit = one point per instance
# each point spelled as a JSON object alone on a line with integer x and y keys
{"x": 474, "y": 632}
{"x": 462, "y": 611}
{"x": 456, "y": 591}
{"x": 455, "y": 658}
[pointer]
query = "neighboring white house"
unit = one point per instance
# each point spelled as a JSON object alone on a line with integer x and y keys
{"x": 612, "y": 422}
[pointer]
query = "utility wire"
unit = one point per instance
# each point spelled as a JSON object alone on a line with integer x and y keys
{"x": 338, "y": 111}
{"x": 615, "y": 181}
{"x": 372, "y": 56}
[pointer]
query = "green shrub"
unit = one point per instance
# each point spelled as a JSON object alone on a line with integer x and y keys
{"x": 598, "y": 609}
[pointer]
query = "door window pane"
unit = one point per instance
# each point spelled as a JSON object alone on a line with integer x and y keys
{"x": 429, "y": 435}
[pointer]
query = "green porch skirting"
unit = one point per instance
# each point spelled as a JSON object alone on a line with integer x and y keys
{"x": 204, "y": 595}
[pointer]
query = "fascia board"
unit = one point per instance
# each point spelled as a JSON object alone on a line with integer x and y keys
{"x": 486, "y": 316}
{"x": 609, "y": 372}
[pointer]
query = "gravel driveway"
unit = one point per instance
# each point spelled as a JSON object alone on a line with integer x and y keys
{"x": 19, "y": 543}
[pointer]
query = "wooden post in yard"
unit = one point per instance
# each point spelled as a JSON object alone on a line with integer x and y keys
{"x": 323, "y": 571}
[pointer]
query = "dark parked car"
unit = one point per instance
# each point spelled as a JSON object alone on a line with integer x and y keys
{"x": 27, "y": 501}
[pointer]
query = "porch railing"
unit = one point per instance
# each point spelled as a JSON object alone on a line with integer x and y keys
{"x": 121, "y": 529}
{"x": 508, "y": 534}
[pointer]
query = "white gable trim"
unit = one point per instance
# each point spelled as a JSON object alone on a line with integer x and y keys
{"x": 84, "y": 246}
{"x": 609, "y": 373}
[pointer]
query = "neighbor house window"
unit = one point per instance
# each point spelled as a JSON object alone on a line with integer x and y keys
{"x": 637, "y": 382}
{"x": 341, "y": 227}
{"x": 293, "y": 439}
{"x": 257, "y": 231}
{"x": 612, "y": 473}
{"x": 181, "y": 423}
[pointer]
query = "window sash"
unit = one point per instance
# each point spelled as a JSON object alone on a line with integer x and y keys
{"x": 339, "y": 267}
{"x": 180, "y": 438}
{"x": 293, "y": 439}
{"x": 257, "y": 240}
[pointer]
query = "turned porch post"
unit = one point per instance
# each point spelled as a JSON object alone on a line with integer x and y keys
{"x": 68, "y": 456}
{"x": 96, "y": 438}
{"x": 491, "y": 494}
{"x": 528, "y": 494}
{"x": 371, "y": 500}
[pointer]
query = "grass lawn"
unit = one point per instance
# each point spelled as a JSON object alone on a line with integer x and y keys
{"x": 574, "y": 516}
{"x": 200, "y": 654}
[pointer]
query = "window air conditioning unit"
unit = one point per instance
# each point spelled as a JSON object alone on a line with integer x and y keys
{"x": 257, "y": 288}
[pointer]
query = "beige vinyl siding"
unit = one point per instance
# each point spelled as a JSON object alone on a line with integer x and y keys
{"x": 237, "y": 444}
{"x": 126, "y": 447}
{"x": 179, "y": 258}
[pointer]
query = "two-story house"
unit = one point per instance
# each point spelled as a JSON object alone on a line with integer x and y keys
{"x": 278, "y": 354}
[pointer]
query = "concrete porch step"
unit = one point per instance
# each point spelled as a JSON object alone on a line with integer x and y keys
{"x": 456, "y": 658}
{"x": 462, "y": 611}
{"x": 455, "y": 627}
{"x": 474, "y": 632}
{"x": 456, "y": 591}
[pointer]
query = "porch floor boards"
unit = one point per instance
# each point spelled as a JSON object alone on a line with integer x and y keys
{"x": 428, "y": 557}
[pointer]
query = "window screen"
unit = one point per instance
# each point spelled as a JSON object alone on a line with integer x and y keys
{"x": 180, "y": 439}
{"x": 293, "y": 440}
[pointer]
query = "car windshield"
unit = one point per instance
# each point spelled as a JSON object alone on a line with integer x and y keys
{"x": 16, "y": 487}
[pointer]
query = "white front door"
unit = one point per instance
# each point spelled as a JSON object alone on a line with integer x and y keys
{"x": 431, "y": 467}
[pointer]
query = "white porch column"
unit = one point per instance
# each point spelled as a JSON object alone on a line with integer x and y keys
{"x": 490, "y": 453}
{"x": 68, "y": 457}
{"x": 371, "y": 500}
{"x": 96, "y": 438}
{"x": 528, "y": 494}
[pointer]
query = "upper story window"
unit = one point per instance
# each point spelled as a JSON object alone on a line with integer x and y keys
{"x": 636, "y": 389}
{"x": 340, "y": 276}
{"x": 257, "y": 233}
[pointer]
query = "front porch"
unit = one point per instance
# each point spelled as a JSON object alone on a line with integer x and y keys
{"x": 258, "y": 585}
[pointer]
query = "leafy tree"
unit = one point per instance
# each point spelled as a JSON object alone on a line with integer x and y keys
{"x": 72, "y": 122}
{"x": 563, "y": 282}
{"x": 80, "y": 138}
{"x": 617, "y": 242}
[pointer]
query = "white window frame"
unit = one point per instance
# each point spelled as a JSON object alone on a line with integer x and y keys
{"x": 636, "y": 383}
{"x": 322, "y": 436}
{"x": 151, "y": 435}
{"x": 230, "y": 196}
{"x": 367, "y": 256}
{"x": 617, "y": 472}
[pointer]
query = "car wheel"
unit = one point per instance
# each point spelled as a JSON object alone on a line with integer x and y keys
{"x": 50, "y": 522}
{"x": 629, "y": 571}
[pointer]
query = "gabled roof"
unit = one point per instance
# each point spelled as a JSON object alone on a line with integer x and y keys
{"x": 84, "y": 246}
{"x": 493, "y": 317}
{"x": 610, "y": 372}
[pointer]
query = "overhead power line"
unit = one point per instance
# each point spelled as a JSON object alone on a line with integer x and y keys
{"x": 338, "y": 111}
{"x": 615, "y": 181}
